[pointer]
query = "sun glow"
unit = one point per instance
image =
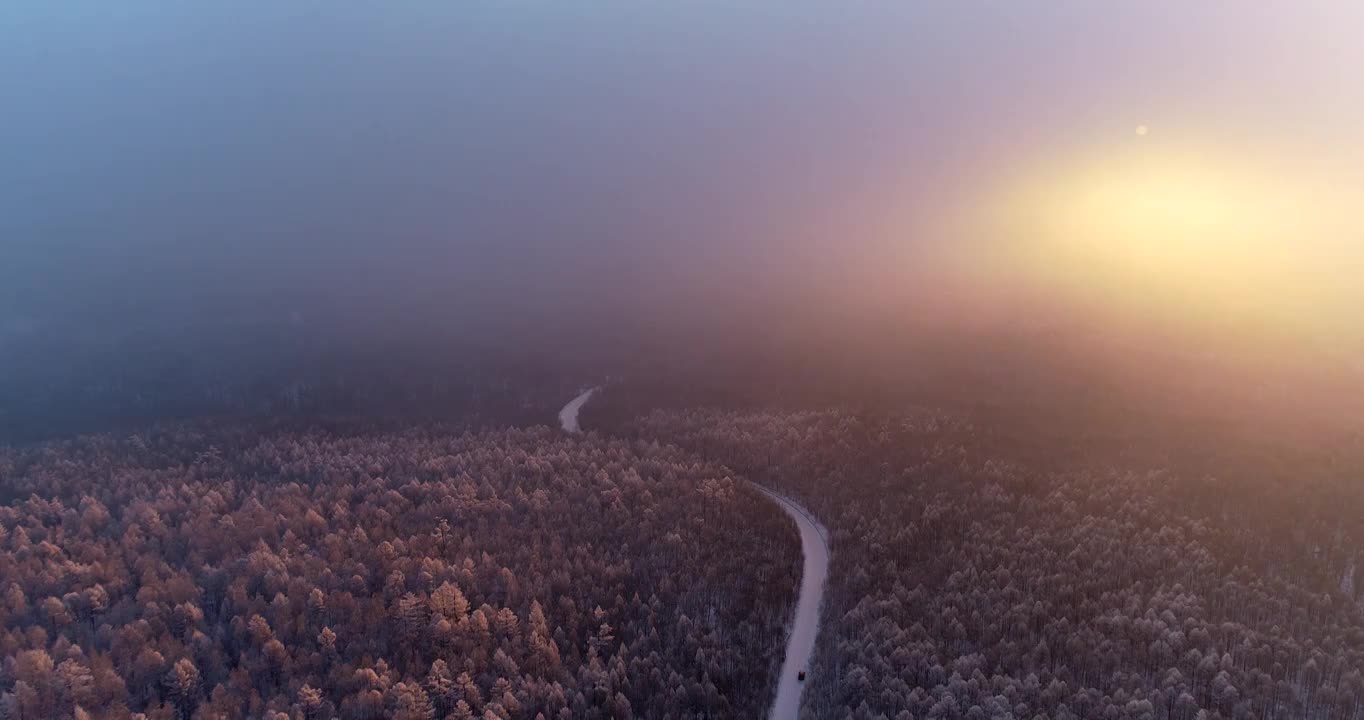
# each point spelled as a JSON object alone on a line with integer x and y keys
{"x": 1188, "y": 237}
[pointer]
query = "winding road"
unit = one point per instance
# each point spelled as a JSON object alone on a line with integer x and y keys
{"x": 568, "y": 417}
{"x": 800, "y": 647}
{"x": 814, "y": 542}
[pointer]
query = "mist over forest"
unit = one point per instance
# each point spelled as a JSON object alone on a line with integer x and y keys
{"x": 601, "y": 183}
{"x": 547, "y": 361}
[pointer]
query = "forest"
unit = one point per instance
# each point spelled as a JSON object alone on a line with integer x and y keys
{"x": 337, "y": 566}
{"x": 972, "y": 579}
{"x": 682, "y": 361}
{"x": 220, "y": 570}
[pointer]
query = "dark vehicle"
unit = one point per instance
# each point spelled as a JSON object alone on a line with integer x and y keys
{"x": 801, "y": 676}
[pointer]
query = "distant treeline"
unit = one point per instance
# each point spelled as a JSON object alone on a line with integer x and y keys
{"x": 61, "y": 389}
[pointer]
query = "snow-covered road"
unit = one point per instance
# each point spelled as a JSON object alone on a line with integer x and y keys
{"x": 805, "y": 627}
{"x": 801, "y": 645}
{"x": 568, "y": 417}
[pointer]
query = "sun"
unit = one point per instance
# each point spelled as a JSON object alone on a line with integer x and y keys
{"x": 1142, "y": 130}
{"x": 1191, "y": 235}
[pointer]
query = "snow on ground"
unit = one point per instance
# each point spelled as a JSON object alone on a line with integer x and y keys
{"x": 805, "y": 626}
{"x": 568, "y": 417}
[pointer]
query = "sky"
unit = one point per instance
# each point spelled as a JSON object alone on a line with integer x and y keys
{"x": 437, "y": 163}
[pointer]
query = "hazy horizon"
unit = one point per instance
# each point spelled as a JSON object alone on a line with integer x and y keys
{"x": 667, "y": 361}
{"x": 485, "y": 166}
